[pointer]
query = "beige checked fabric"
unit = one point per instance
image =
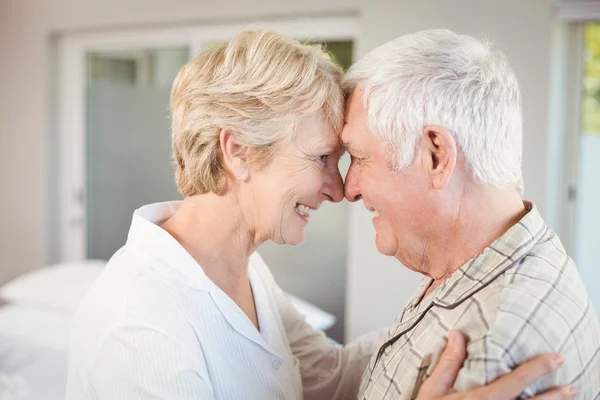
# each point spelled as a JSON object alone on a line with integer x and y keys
{"x": 520, "y": 297}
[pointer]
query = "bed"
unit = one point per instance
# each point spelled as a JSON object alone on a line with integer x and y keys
{"x": 36, "y": 311}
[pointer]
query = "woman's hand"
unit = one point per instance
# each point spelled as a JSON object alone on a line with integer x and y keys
{"x": 439, "y": 384}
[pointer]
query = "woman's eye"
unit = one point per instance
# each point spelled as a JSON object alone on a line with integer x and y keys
{"x": 322, "y": 158}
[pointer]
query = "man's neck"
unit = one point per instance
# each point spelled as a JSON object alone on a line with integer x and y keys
{"x": 480, "y": 217}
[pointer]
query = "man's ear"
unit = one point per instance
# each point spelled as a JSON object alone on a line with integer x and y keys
{"x": 439, "y": 154}
{"x": 234, "y": 156}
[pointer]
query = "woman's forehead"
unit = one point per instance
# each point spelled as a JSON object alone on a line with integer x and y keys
{"x": 315, "y": 131}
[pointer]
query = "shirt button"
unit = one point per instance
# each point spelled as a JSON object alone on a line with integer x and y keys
{"x": 276, "y": 364}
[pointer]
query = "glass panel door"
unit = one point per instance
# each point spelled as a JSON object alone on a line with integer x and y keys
{"x": 128, "y": 148}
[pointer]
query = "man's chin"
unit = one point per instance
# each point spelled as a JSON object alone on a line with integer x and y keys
{"x": 385, "y": 247}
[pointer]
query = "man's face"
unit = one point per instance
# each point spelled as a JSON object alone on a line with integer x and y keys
{"x": 399, "y": 201}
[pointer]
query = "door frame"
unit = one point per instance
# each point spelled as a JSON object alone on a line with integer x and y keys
{"x": 565, "y": 124}
{"x": 72, "y": 51}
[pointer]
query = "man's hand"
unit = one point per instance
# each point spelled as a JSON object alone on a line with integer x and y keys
{"x": 439, "y": 384}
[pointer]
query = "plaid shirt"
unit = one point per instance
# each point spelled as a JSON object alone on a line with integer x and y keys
{"x": 520, "y": 297}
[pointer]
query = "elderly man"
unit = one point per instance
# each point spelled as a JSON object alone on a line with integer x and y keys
{"x": 435, "y": 133}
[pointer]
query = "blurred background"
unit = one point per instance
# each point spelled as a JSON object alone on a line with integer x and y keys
{"x": 84, "y": 128}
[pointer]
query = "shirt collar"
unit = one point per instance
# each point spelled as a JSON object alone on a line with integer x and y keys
{"x": 164, "y": 253}
{"x": 151, "y": 242}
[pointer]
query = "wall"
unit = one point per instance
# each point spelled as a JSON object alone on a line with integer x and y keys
{"x": 316, "y": 269}
{"x": 521, "y": 28}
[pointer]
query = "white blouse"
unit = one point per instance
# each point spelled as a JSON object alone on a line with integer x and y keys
{"x": 154, "y": 326}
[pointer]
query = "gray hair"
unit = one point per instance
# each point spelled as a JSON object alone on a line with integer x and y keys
{"x": 456, "y": 81}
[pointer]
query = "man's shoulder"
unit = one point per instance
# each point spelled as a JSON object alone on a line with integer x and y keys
{"x": 543, "y": 306}
{"x": 545, "y": 285}
{"x": 539, "y": 305}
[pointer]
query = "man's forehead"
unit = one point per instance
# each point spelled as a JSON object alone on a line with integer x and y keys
{"x": 349, "y": 147}
{"x": 346, "y": 145}
{"x": 355, "y": 97}
{"x": 346, "y": 137}
{"x": 355, "y": 112}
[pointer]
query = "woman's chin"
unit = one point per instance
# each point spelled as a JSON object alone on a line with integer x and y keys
{"x": 294, "y": 237}
{"x": 296, "y": 240}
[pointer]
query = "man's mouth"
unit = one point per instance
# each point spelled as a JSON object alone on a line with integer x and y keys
{"x": 374, "y": 211}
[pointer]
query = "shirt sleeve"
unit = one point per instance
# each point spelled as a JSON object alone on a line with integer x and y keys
{"x": 533, "y": 320}
{"x": 142, "y": 363}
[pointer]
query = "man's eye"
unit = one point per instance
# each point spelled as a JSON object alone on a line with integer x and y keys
{"x": 323, "y": 158}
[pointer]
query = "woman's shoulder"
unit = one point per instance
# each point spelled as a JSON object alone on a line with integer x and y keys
{"x": 136, "y": 289}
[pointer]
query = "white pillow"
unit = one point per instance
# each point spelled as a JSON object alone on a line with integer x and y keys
{"x": 317, "y": 318}
{"x": 62, "y": 287}
{"x": 59, "y": 287}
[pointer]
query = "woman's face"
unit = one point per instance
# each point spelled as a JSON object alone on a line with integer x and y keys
{"x": 300, "y": 176}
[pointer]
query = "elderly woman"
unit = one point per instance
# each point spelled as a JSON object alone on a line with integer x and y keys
{"x": 187, "y": 309}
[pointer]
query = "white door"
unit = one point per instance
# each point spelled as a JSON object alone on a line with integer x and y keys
{"x": 103, "y": 80}
{"x": 586, "y": 185}
{"x": 575, "y": 166}
{"x": 127, "y": 141}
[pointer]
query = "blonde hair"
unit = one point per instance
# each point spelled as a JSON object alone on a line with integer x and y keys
{"x": 258, "y": 86}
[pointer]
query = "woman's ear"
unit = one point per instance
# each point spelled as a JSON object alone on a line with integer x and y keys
{"x": 234, "y": 155}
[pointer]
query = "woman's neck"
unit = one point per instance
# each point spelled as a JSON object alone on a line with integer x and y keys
{"x": 214, "y": 231}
